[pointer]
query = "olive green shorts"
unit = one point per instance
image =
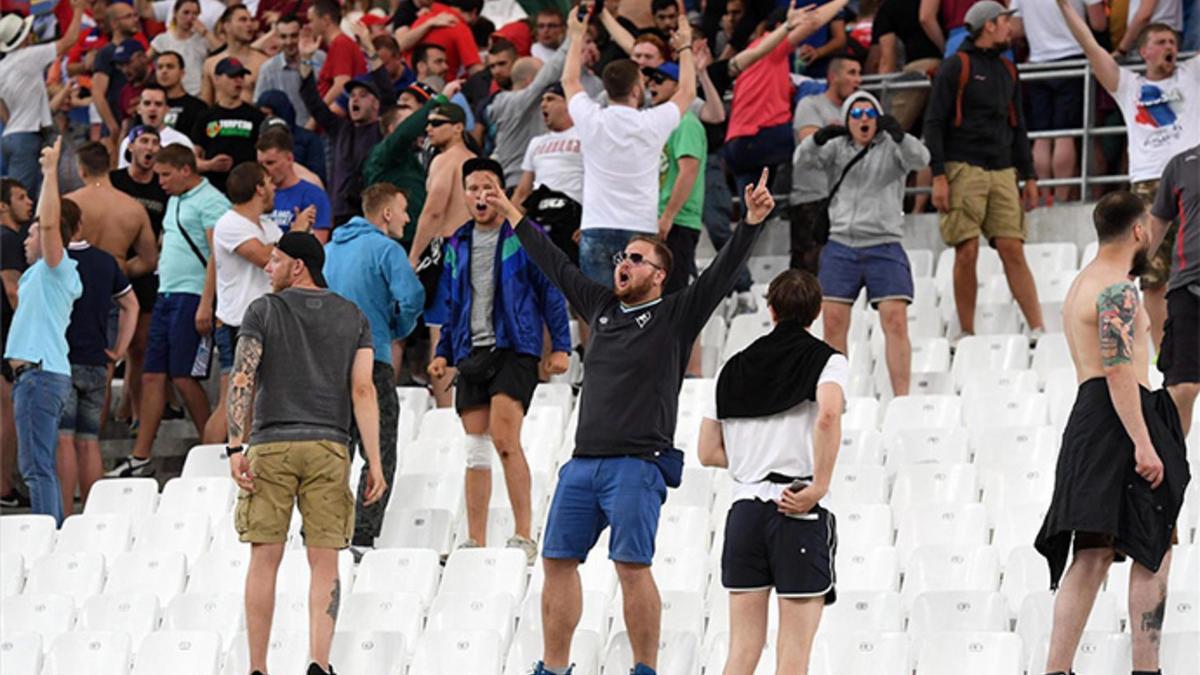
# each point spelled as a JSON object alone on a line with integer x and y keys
{"x": 313, "y": 475}
{"x": 982, "y": 202}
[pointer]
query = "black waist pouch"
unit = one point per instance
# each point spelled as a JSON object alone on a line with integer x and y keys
{"x": 670, "y": 465}
{"x": 480, "y": 365}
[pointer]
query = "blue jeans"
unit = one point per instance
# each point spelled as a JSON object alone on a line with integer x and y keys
{"x": 747, "y": 156}
{"x": 19, "y": 153}
{"x": 718, "y": 213}
{"x": 597, "y": 247}
{"x": 38, "y": 398}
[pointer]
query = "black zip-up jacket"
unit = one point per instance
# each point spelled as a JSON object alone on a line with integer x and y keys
{"x": 986, "y": 138}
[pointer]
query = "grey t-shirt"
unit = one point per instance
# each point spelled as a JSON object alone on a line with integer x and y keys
{"x": 483, "y": 285}
{"x": 811, "y": 184}
{"x": 309, "y": 338}
{"x": 1179, "y": 199}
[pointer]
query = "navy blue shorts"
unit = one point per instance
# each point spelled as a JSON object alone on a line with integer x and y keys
{"x": 765, "y": 549}
{"x": 597, "y": 246}
{"x": 173, "y": 342}
{"x": 883, "y": 269}
{"x": 225, "y": 336}
{"x": 596, "y": 492}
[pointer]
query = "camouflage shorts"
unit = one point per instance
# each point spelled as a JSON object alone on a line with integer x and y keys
{"x": 1160, "y": 265}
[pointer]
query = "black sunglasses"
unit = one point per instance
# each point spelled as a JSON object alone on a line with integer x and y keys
{"x": 634, "y": 259}
{"x": 437, "y": 123}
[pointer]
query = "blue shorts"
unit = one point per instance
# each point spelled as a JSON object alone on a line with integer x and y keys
{"x": 597, "y": 246}
{"x": 84, "y": 403}
{"x": 173, "y": 342}
{"x": 883, "y": 269}
{"x": 596, "y": 492}
{"x": 225, "y": 337}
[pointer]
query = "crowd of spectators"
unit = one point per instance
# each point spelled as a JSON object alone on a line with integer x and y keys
{"x": 195, "y": 133}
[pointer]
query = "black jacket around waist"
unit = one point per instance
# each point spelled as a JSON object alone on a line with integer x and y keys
{"x": 986, "y": 136}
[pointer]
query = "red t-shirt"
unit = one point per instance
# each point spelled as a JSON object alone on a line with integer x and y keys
{"x": 762, "y": 95}
{"x": 519, "y": 34}
{"x": 954, "y": 12}
{"x": 457, "y": 40}
{"x": 342, "y": 58}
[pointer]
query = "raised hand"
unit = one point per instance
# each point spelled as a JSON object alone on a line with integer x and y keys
{"x": 891, "y": 126}
{"x": 758, "y": 200}
{"x": 50, "y": 155}
{"x": 828, "y": 133}
{"x": 309, "y": 44}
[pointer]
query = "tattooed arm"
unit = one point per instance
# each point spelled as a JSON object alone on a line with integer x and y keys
{"x": 1116, "y": 312}
{"x": 246, "y": 358}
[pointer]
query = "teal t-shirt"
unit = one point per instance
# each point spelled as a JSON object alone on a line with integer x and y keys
{"x": 45, "y": 296}
{"x": 197, "y": 211}
{"x": 688, "y": 140}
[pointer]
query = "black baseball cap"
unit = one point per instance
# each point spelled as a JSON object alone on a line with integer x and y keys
{"x": 123, "y": 53}
{"x": 555, "y": 88}
{"x": 362, "y": 84}
{"x": 422, "y": 91}
{"x": 450, "y": 111}
{"x": 303, "y": 246}
{"x": 231, "y": 67}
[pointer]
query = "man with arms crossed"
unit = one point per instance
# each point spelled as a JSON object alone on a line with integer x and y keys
{"x": 623, "y": 459}
{"x": 1163, "y": 120}
{"x": 1122, "y": 469}
{"x": 308, "y": 354}
{"x": 775, "y": 420}
{"x": 498, "y": 305}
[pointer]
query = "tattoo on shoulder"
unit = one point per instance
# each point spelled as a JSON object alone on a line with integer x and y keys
{"x": 246, "y": 359}
{"x": 1116, "y": 310}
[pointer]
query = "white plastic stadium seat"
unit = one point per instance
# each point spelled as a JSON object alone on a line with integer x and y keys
{"x": 678, "y": 653}
{"x": 220, "y": 613}
{"x": 1034, "y": 619}
{"x": 417, "y": 528}
{"x": 858, "y": 484}
{"x": 934, "y": 611}
{"x": 133, "y": 613}
{"x": 861, "y": 446}
{"x": 134, "y": 497}
{"x": 211, "y": 496}
{"x": 921, "y": 412}
{"x": 441, "y": 454}
{"x": 473, "y": 611}
{"x": 993, "y": 352}
{"x": 374, "y": 652}
{"x": 185, "y": 533}
{"x": 441, "y": 424}
{"x": 178, "y": 652}
{"x": 75, "y": 575}
{"x": 206, "y": 461}
{"x": 1183, "y": 612}
{"x": 996, "y": 448}
{"x": 32, "y": 535}
{"x": 400, "y": 614}
{"x": 527, "y": 649}
{"x": 162, "y": 573}
{"x": 948, "y": 445}
{"x": 984, "y": 382}
{"x": 416, "y": 399}
{"x": 868, "y": 569}
{"x": 12, "y": 573}
{"x": 863, "y": 526}
{"x": 862, "y": 412}
{"x": 20, "y": 651}
{"x": 940, "y": 525}
{"x": 682, "y": 612}
{"x": 1011, "y": 409}
{"x": 684, "y": 570}
{"x": 1098, "y": 653}
{"x": 1185, "y": 568}
{"x": 930, "y": 355}
{"x": 1017, "y": 525}
{"x": 1013, "y": 485}
{"x": 287, "y": 652}
{"x": 1177, "y": 656}
{"x": 93, "y": 652}
{"x": 1049, "y": 258}
{"x": 980, "y": 653}
{"x": 863, "y": 611}
{"x": 950, "y": 568}
{"x": 427, "y": 490}
{"x": 878, "y": 653}
{"x": 220, "y": 572}
{"x": 681, "y": 527}
{"x": 48, "y": 615}
{"x": 935, "y": 484}
{"x": 399, "y": 570}
{"x": 110, "y": 534}
{"x": 1025, "y": 572}
{"x": 457, "y": 651}
{"x": 497, "y": 570}
{"x": 597, "y": 607}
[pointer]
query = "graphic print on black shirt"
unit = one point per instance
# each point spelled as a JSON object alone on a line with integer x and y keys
{"x": 227, "y": 131}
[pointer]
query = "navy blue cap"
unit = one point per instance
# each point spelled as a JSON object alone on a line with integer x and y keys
{"x": 125, "y": 51}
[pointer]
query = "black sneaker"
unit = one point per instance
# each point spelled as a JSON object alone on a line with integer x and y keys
{"x": 14, "y": 500}
{"x": 132, "y": 467}
{"x": 171, "y": 412}
{"x": 314, "y": 669}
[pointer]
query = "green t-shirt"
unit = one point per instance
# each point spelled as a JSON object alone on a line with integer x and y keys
{"x": 688, "y": 140}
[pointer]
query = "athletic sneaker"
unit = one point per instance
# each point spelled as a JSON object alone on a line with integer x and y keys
{"x": 132, "y": 467}
{"x": 14, "y": 500}
{"x": 1035, "y": 335}
{"x": 539, "y": 668}
{"x": 469, "y": 543}
{"x": 525, "y": 544}
{"x": 314, "y": 669}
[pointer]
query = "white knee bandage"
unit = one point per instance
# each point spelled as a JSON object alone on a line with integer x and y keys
{"x": 479, "y": 451}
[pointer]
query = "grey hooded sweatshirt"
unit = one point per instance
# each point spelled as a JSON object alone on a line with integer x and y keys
{"x": 868, "y": 208}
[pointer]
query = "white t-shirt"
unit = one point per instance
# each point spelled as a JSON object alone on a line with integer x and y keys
{"x": 166, "y": 136}
{"x": 621, "y": 149}
{"x": 210, "y": 11}
{"x": 556, "y": 160}
{"x": 1046, "y": 29}
{"x": 239, "y": 281}
{"x": 23, "y": 88}
{"x": 1162, "y": 117}
{"x": 780, "y": 443}
{"x": 1169, "y": 12}
{"x": 193, "y": 50}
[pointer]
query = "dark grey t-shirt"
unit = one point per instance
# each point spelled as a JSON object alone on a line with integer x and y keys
{"x": 483, "y": 285}
{"x": 309, "y": 340}
{"x": 1179, "y": 199}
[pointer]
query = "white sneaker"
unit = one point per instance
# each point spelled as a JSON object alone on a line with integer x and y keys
{"x": 525, "y": 544}
{"x": 132, "y": 467}
{"x": 1035, "y": 335}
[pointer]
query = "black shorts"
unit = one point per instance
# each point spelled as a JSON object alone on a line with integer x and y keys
{"x": 765, "y": 549}
{"x": 1055, "y": 104}
{"x": 516, "y": 376}
{"x": 682, "y": 241}
{"x": 145, "y": 289}
{"x": 1179, "y": 359}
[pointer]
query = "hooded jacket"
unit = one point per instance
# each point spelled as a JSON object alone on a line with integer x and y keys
{"x": 868, "y": 208}
{"x": 363, "y": 265}
{"x": 397, "y": 160}
{"x": 309, "y": 148}
{"x": 524, "y": 301}
{"x": 985, "y": 139}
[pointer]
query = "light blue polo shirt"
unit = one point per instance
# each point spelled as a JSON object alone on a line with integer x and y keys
{"x": 45, "y": 296}
{"x": 197, "y": 211}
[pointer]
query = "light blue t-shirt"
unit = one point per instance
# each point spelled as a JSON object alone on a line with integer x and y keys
{"x": 45, "y": 296}
{"x": 197, "y": 210}
{"x": 299, "y": 197}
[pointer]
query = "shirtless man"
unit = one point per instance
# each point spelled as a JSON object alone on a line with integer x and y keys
{"x": 239, "y": 33}
{"x": 1119, "y": 447}
{"x": 445, "y": 211}
{"x": 112, "y": 221}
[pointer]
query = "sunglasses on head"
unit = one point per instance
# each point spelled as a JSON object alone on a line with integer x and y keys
{"x": 437, "y": 123}
{"x": 634, "y": 259}
{"x": 859, "y": 113}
